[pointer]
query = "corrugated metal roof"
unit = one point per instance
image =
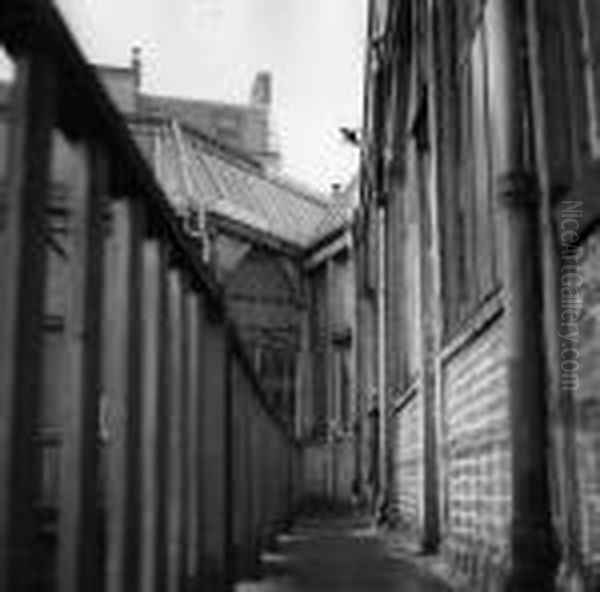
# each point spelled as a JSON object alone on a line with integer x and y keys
{"x": 194, "y": 171}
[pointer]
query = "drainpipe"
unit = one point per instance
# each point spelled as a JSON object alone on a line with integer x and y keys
{"x": 571, "y": 570}
{"x": 381, "y": 351}
{"x": 533, "y": 553}
{"x": 378, "y": 184}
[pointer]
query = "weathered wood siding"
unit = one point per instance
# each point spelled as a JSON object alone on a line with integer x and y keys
{"x": 329, "y": 471}
{"x": 132, "y": 423}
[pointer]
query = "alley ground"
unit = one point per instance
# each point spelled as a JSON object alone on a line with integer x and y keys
{"x": 344, "y": 554}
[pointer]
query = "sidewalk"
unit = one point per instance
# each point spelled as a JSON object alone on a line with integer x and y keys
{"x": 340, "y": 554}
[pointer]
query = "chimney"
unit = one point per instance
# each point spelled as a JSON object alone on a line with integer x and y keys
{"x": 136, "y": 65}
{"x": 261, "y": 94}
{"x": 336, "y": 190}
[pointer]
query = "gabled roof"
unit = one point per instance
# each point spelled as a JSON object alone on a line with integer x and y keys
{"x": 196, "y": 171}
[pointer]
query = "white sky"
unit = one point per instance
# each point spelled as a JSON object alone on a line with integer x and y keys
{"x": 211, "y": 49}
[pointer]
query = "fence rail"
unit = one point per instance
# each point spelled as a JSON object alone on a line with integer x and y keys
{"x": 137, "y": 450}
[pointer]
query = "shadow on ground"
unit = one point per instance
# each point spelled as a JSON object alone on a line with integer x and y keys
{"x": 329, "y": 553}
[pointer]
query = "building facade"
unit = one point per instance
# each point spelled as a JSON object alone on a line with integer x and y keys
{"x": 480, "y": 155}
{"x": 280, "y": 254}
{"x": 284, "y": 256}
{"x": 246, "y": 127}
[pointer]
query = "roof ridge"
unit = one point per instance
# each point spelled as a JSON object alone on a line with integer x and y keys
{"x": 224, "y": 150}
{"x": 213, "y": 102}
{"x": 251, "y": 166}
{"x": 317, "y": 198}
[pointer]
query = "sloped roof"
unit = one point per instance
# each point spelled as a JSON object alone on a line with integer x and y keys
{"x": 195, "y": 170}
{"x": 340, "y": 211}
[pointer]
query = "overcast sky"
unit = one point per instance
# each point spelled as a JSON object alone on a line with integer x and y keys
{"x": 211, "y": 49}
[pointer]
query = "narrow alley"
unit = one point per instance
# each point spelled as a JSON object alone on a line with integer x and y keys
{"x": 274, "y": 256}
{"x": 339, "y": 554}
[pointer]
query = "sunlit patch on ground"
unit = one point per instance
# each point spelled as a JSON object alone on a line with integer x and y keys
{"x": 274, "y": 558}
{"x": 292, "y": 538}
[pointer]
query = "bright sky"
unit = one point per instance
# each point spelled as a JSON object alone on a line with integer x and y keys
{"x": 211, "y": 49}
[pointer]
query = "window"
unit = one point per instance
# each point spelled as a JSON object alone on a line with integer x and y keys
{"x": 469, "y": 257}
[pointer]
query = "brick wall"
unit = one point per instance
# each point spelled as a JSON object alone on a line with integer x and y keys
{"x": 477, "y": 455}
{"x": 407, "y": 484}
{"x": 587, "y": 407}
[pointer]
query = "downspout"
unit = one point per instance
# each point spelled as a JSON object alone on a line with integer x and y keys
{"x": 571, "y": 569}
{"x": 434, "y": 498}
{"x": 380, "y": 204}
{"x": 533, "y": 553}
{"x": 381, "y": 349}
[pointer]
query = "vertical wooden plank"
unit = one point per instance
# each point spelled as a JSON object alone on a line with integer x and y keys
{"x": 229, "y": 469}
{"x": 122, "y": 393}
{"x": 79, "y": 557}
{"x": 255, "y": 477}
{"x": 184, "y": 423}
{"x": 23, "y": 270}
{"x": 175, "y": 429}
{"x": 213, "y": 453}
{"x": 193, "y": 454}
{"x": 152, "y": 434}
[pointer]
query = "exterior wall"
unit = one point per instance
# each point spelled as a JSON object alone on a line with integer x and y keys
{"x": 331, "y": 457}
{"x": 587, "y": 407}
{"x": 445, "y": 59}
{"x": 407, "y": 466}
{"x": 318, "y": 424}
{"x": 367, "y": 348}
{"x": 476, "y": 452}
{"x": 329, "y": 470}
{"x": 298, "y": 327}
{"x": 263, "y": 295}
{"x": 245, "y": 127}
{"x": 568, "y": 117}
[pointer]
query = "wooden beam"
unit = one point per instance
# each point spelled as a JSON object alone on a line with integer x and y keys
{"x": 175, "y": 422}
{"x": 534, "y": 556}
{"x": 213, "y": 453}
{"x": 152, "y": 436}
{"x": 79, "y": 530}
{"x": 193, "y": 469}
{"x": 122, "y": 394}
{"x": 23, "y": 261}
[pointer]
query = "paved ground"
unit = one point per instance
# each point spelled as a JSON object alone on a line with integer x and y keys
{"x": 338, "y": 554}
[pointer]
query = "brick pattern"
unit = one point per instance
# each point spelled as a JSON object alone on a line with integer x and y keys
{"x": 476, "y": 449}
{"x": 408, "y": 464}
{"x": 587, "y": 406}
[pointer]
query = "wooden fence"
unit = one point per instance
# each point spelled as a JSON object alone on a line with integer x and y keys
{"x": 137, "y": 451}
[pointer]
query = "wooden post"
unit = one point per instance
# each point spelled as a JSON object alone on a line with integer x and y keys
{"x": 429, "y": 323}
{"x": 152, "y": 436}
{"x": 23, "y": 271}
{"x": 229, "y": 476}
{"x": 533, "y": 553}
{"x": 122, "y": 394}
{"x": 79, "y": 519}
{"x": 175, "y": 415}
{"x": 213, "y": 452}
{"x": 192, "y": 449}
